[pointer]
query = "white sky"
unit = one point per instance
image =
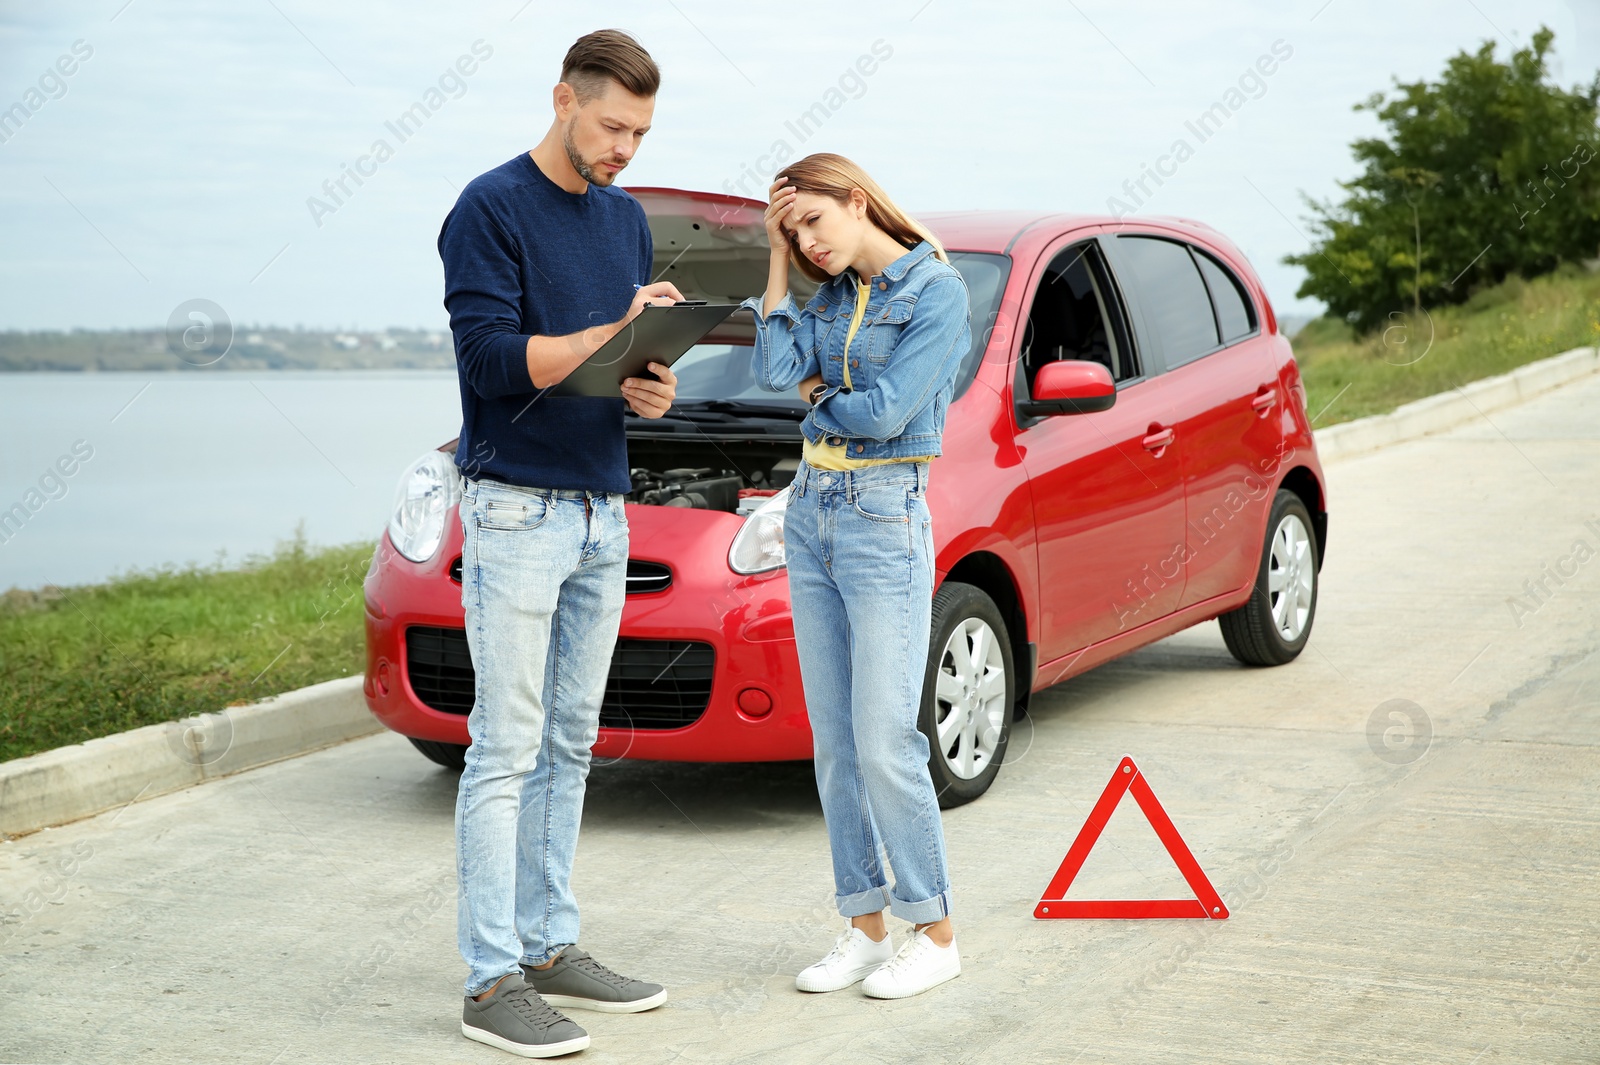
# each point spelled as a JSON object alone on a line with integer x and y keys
{"x": 178, "y": 162}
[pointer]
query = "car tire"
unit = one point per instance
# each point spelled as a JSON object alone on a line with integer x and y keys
{"x": 449, "y": 755}
{"x": 1272, "y": 628}
{"x": 961, "y": 702}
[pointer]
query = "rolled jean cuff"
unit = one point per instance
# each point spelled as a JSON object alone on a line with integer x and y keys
{"x": 548, "y": 954}
{"x": 928, "y": 911}
{"x": 862, "y": 903}
{"x": 478, "y": 991}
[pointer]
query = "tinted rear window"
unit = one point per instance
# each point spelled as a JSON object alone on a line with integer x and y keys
{"x": 1233, "y": 307}
{"x": 1172, "y": 296}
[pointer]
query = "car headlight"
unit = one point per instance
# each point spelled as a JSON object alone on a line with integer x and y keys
{"x": 428, "y": 489}
{"x": 758, "y": 547}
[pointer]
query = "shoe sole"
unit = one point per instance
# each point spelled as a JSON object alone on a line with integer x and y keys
{"x": 909, "y": 993}
{"x": 638, "y": 1005}
{"x": 815, "y": 987}
{"x": 526, "y": 1050}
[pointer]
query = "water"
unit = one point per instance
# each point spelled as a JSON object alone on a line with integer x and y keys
{"x": 185, "y": 466}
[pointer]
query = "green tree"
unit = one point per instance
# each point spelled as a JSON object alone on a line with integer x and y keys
{"x": 1489, "y": 172}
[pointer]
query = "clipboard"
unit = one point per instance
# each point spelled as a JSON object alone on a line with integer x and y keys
{"x": 659, "y": 334}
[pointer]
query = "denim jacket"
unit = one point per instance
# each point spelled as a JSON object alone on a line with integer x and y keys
{"x": 913, "y": 335}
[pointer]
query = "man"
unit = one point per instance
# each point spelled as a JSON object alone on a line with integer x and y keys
{"x": 544, "y": 261}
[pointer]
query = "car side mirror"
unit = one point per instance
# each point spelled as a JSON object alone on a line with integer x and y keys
{"x": 1070, "y": 386}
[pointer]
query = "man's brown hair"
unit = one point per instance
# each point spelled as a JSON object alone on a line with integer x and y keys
{"x": 609, "y": 55}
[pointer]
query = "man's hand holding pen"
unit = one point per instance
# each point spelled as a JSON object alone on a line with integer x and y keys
{"x": 648, "y": 397}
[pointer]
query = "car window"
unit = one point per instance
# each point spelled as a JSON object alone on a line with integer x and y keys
{"x": 1075, "y": 315}
{"x": 1172, "y": 296}
{"x": 1234, "y": 314}
{"x": 723, "y": 371}
{"x": 985, "y": 276}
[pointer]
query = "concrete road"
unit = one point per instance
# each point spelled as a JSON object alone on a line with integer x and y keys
{"x": 1411, "y": 881}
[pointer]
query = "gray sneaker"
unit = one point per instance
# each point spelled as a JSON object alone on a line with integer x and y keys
{"x": 516, "y": 1019}
{"x": 578, "y": 981}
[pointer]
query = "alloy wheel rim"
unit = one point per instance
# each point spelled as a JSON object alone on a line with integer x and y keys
{"x": 1291, "y": 578}
{"x": 970, "y": 697}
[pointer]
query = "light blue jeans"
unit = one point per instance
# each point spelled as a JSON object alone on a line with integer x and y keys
{"x": 860, "y": 558}
{"x": 543, "y": 575}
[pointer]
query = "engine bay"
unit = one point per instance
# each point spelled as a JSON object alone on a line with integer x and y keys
{"x": 736, "y": 473}
{"x": 700, "y": 487}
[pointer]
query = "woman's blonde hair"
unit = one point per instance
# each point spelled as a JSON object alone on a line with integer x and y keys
{"x": 834, "y": 176}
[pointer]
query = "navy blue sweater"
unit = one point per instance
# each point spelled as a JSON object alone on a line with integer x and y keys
{"x": 524, "y": 257}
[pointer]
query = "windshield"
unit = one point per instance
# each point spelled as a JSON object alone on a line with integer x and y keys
{"x": 722, "y": 371}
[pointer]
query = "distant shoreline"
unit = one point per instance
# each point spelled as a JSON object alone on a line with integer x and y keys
{"x": 228, "y": 366}
{"x": 248, "y": 348}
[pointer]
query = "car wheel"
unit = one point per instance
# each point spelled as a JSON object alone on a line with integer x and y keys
{"x": 966, "y": 693}
{"x": 1273, "y": 626}
{"x": 449, "y": 755}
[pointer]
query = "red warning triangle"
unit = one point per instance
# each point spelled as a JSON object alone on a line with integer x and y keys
{"x": 1054, "y": 903}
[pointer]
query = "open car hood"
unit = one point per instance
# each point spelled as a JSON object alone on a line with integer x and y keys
{"x": 713, "y": 247}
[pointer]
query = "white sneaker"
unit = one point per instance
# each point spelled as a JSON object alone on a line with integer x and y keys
{"x": 918, "y": 965}
{"x": 853, "y": 956}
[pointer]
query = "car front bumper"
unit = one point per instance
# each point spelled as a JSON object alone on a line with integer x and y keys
{"x": 705, "y": 670}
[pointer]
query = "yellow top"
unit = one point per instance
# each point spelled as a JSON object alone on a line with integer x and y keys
{"x": 825, "y": 456}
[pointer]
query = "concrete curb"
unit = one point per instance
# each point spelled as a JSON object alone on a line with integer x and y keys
{"x": 1449, "y": 409}
{"x": 55, "y": 787}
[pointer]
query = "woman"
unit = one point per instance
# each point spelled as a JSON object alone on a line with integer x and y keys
{"x": 875, "y": 354}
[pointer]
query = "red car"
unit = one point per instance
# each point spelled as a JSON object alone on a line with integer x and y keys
{"x": 1127, "y": 454}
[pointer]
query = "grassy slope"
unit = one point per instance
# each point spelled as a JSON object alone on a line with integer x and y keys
{"x": 1497, "y": 330}
{"x": 78, "y": 663}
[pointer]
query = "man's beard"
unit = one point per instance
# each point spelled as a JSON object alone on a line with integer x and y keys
{"x": 585, "y": 170}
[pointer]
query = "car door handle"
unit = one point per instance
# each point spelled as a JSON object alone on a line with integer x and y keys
{"x": 1159, "y": 441}
{"x": 1264, "y": 400}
